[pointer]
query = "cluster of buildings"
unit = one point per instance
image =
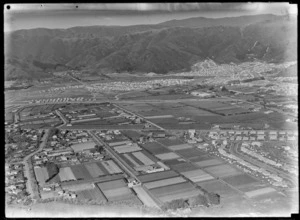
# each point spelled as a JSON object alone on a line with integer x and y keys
{"x": 131, "y": 86}
{"x": 15, "y": 184}
{"x": 77, "y": 99}
{"x": 19, "y": 143}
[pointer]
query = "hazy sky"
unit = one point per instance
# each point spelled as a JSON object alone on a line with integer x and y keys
{"x": 26, "y": 16}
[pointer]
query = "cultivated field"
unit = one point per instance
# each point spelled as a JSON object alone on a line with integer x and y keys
{"x": 80, "y": 172}
{"x": 197, "y": 175}
{"x": 169, "y": 142}
{"x": 240, "y": 180}
{"x": 164, "y": 182}
{"x": 217, "y": 187}
{"x": 207, "y": 163}
{"x": 222, "y": 170}
{"x": 183, "y": 167}
{"x": 167, "y": 156}
{"x": 155, "y": 148}
{"x": 111, "y": 167}
{"x": 157, "y": 176}
{"x": 180, "y": 147}
{"x": 143, "y": 158}
{"x": 91, "y": 194}
{"x": 259, "y": 192}
{"x": 126, "y": 149}
{"x": 189, "y": 153}
{"x": 94, "y": 170}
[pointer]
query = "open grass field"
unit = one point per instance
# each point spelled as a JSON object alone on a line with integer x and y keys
{"x": 222, "y": 171}
{"x": 197, "y": 175}
{"x": 260, "y": 192}
{"x": 41, "y": 175}
{"x": 217, "y": 187}
{"x": 91, "y": 194}
{"x": 183, "y": 167}
{"x": 66, "y": 174}
{"x": 155, "y": 148}
{"x": 111, "y": 167}
{"x": 170, "y": 142}
{"x": 167, "y": 156}
{"x": 164, "y": 182}
{"x": 80, "y": 172}
{"x": 189, "y": 153}
{"x": 210, "y": 162}
{"x": 94, "y": 170}
{"x": 157, "y": 176}
{"x": 240, "y": 180}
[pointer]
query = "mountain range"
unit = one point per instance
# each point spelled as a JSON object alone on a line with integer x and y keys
{"x": 170, "y": 46}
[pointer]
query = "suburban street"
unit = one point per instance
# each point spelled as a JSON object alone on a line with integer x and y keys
{"x": 26, "y": 161}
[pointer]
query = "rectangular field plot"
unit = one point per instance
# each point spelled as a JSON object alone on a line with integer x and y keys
{"x": 183, "y": 167}
{"x": 240, "y": 180}
{"x": 118, "y": 193}
{"x": 197, "y": 175}
{"x": 80, "y": 172}
{"x": 260, "y": 192}
{"x": 155, "y": 148}
{"x": 202, "y": 157}
{"x": 126, "y": 149}
{"x": 174, "y": 162}
{"x": 93, "y": 194}
{"x": 157, "y": 176}
{"x": 131, "y": 160}
{"x": 134, "y": 135}
{"x": 222, "y": 170}
{"x": 180, "y": 195}
{"x": 143, "y": 158}
{"x": 180, "y": 147}
{"x": 189, "y": 153}
{"x": 164, "y": 182}
{"x": 41, "y": 175}
{"x": 169, "y": 142}
{"x": 167, "y": 156}
{"x": 111, "y": 167}
{"x": 114, "y": 184}
{"x": 207, "y": 163}
{"x": 66, "y": 174}
{"x": 217, "y": 187}
{"x": 172, "y": 189}
{"x": 94, "y": 170}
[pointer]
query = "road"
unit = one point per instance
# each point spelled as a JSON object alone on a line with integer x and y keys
{"x": 285, "y": 175}
{"x": 161, "y": 128}
{"x": 26, "y": 161}
{"x": 62, "y": 118}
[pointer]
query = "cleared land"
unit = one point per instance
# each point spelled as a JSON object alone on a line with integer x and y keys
{"x": 207, "y": 163}
{"x": 222, "y": 170}
{"x": 167, "y": 156}
{"x": 164, "y": 182}
{"x": 197, "y": 175}
{"x": 157, "y": 176}
{"x": 240, "y": 180}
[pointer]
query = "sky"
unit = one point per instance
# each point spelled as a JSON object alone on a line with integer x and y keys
{"x": 28, "y": 16}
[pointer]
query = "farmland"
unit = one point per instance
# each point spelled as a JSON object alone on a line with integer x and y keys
{"x": 197, "y": 175}
{"x": 41, "y": 175}
{"x": 80, "y": 172}
{"x": 164, "y": 182}
{"x": 240, "y": 180}
{"x": 155, "y": 148}
{"x": 157, "y": 176}
{"x": 167, "y": 156}
{"x": 91, "y": 194}
{"x": 94, "y": 170}
{"x": 189, "y": 153}
{"x": 222, "y": 170}
{"x": 218, "y": 187}
{"x": 111, "y": 167}
{"x": 211, "y": 162}
{"x": 170, "y": 142}
{"x": 66, "y": 174}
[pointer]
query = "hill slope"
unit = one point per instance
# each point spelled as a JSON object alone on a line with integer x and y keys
{"x": 147, "y": 48}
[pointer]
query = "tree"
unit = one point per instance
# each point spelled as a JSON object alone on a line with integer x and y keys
{"x": 198, "y": 200}
{"x": 176, "y": 204}
{"x": 100, "y": 149}
{"x": 213, "y": 198}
